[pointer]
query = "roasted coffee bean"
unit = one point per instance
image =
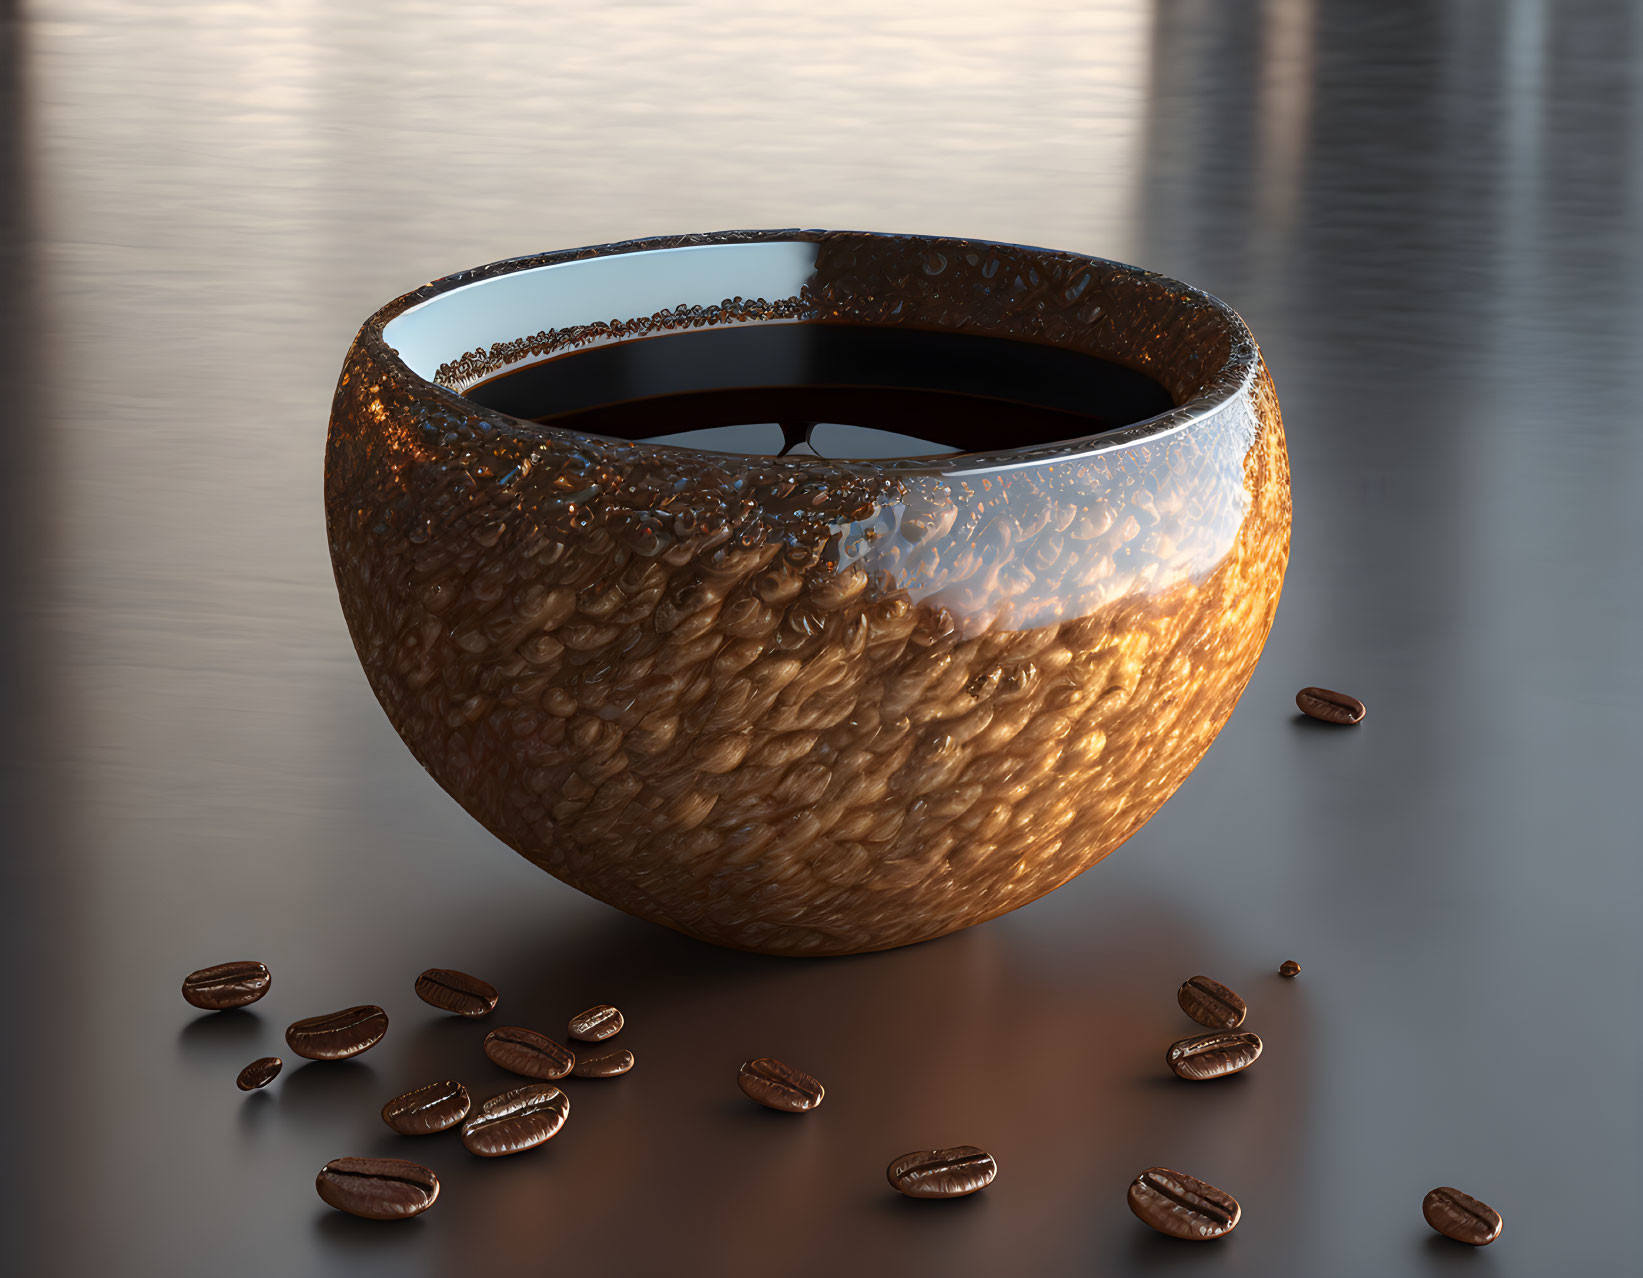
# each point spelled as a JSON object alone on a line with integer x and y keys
{"x": 1289, "y": 967}
{"x": 259, "y": 1073}
{"x": 1331, "y": 707}
{"x": 453, "y": 991}
{"x": 943, "y": 1173}
{"x": 605, "y": 1065}
{"x": 516, "y": 1120}
{"x": 1183, "y": 1206}
{"x": 337, "y": 1035}
{"x": 227, "y": 985}
{"x": 596, "y": 1023}
{"x": 779, "y": 1086}
{"x": 1214, "y": 1055}
{"x": 377, "y": 1188}
{"x": 1211, "y": 1003}
{"x": 523, "y": 1051}
{"x": 429, "y": 1109}
{"x": 1461, "y": 1217}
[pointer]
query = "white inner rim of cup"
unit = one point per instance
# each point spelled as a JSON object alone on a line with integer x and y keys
{"x": 619, "y": 286}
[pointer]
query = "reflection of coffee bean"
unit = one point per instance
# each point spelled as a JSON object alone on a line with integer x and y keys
{"x": 1331, "y": 707}
{"x": 453, "y": 991}
{"x": 1211, "y": 1003}
{"x": 377, "y": 1188}
{"x": 429, "y": 1109}
{"x": 1461, "y": 1217}
{"x": 779, "y": 1086}
{"x": 1289, "y": 967}
{"x": 1183, "y": 1206}
{"x": 516, "y": 1120}
{"x": 226, "y": 985}
{"x": 259, "y": 1073}
{"x": 1214, "y": 1055}
{"x": 337, "y": 1035}
{"x": 943, "y": 1173}
{"x": 523, "y": 1051}
{"x": 605, "y": 1065}
{"x": 596, "y": 1023}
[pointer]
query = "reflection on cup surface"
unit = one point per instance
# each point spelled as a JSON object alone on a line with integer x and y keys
{"x": 802, "y": 703}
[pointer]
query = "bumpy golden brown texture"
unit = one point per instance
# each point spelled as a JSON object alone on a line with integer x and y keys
{"x": 809, "y": 707}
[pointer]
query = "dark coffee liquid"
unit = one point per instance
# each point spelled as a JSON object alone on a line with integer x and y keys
{"x": 840, "y": 390}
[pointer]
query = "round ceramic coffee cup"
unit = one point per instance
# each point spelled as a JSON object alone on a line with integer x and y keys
{"x": 806, "y": 704}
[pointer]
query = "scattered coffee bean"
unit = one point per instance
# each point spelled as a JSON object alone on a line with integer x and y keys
{"x": 338, "y": 1035}
{"x": 453, "y": 991}
{"x": 523, "y": 1051}
{"x": 1214, "y": 1055}
{"x": 1211, "y": 1003}
{"x": 605, "y": 1065}
{"x": 429, "y": 1109}
{"x": 596, "y": 1023}
{"x": 1331, "y": 707}
{"x": 259, "y": 1073}
{"x": 1289, "y": 967}
{"x": 377, "y": 1188}
{"x": 779, "y": 1086}
{"x": 1183, "y": 1206}
{"x": 943, "y": 1173}
{"x": 1461, "y": 1217}
{"x": 227, "y": 985}
{"x": 516, "y": 1120}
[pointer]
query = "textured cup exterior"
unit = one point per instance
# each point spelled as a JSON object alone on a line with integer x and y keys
{"x": 806, "y": 706}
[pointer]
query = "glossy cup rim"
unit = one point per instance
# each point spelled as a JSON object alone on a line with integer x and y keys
{"x": 1226, "y": 385}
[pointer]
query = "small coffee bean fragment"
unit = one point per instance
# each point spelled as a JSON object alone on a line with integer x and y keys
{"x": 1461, "y": 1217}
{"x": 1183, "y": 1206}
{"x": 605, "y": 1065}
{"x": 1330, "y": 707}
{"x": 1209, "y": 1056}
{"x": 596, "y": 1023}
{"x": 1289, "y": 967}
{"x": 523, "y": 1051}
{"x": 516, "y": 1121}
{"x": 377, "y": 1188}
{"x": 1211, "y": 1003}
{"x": 453, "y": 991}
{"x": 425, "y": 1110}
{"x": 216, "y": 989}
{"x": 942, "y": 1173}
{"x": 338, "y": 1035}
{"x": 777, "y": 1085}
{"x": 259, "y": 1073}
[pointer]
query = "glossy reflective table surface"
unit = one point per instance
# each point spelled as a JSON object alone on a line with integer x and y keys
{"x": 1429, "y": 215}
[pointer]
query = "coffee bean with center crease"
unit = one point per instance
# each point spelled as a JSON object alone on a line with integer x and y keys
{"x": 1214, "y": 1055}
{"x": 453, "y": 991}
{"x": 227, "y": 985}
{"x": 1461, "y": 1217}
{"x": 377, "y": 1188}
{"x": 1183, "y": 1206}
{"x": 516, "y": 1120}
{"x": 523, "y": 1051}
{"x": 1289, "y": 967}
{"x": 604, "y": 1065}
{"x": 1330, "y": 707}
{"x": 596, "y": 1023}
{"x": 777, "y": 1085}
{"x": 1211, "y": 1003}
{"x": 425, "y": 1110}
{"x": 259, "y": 1073}
{"x": 943, "y": 1173}
{"x": 338, "y": 1035}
